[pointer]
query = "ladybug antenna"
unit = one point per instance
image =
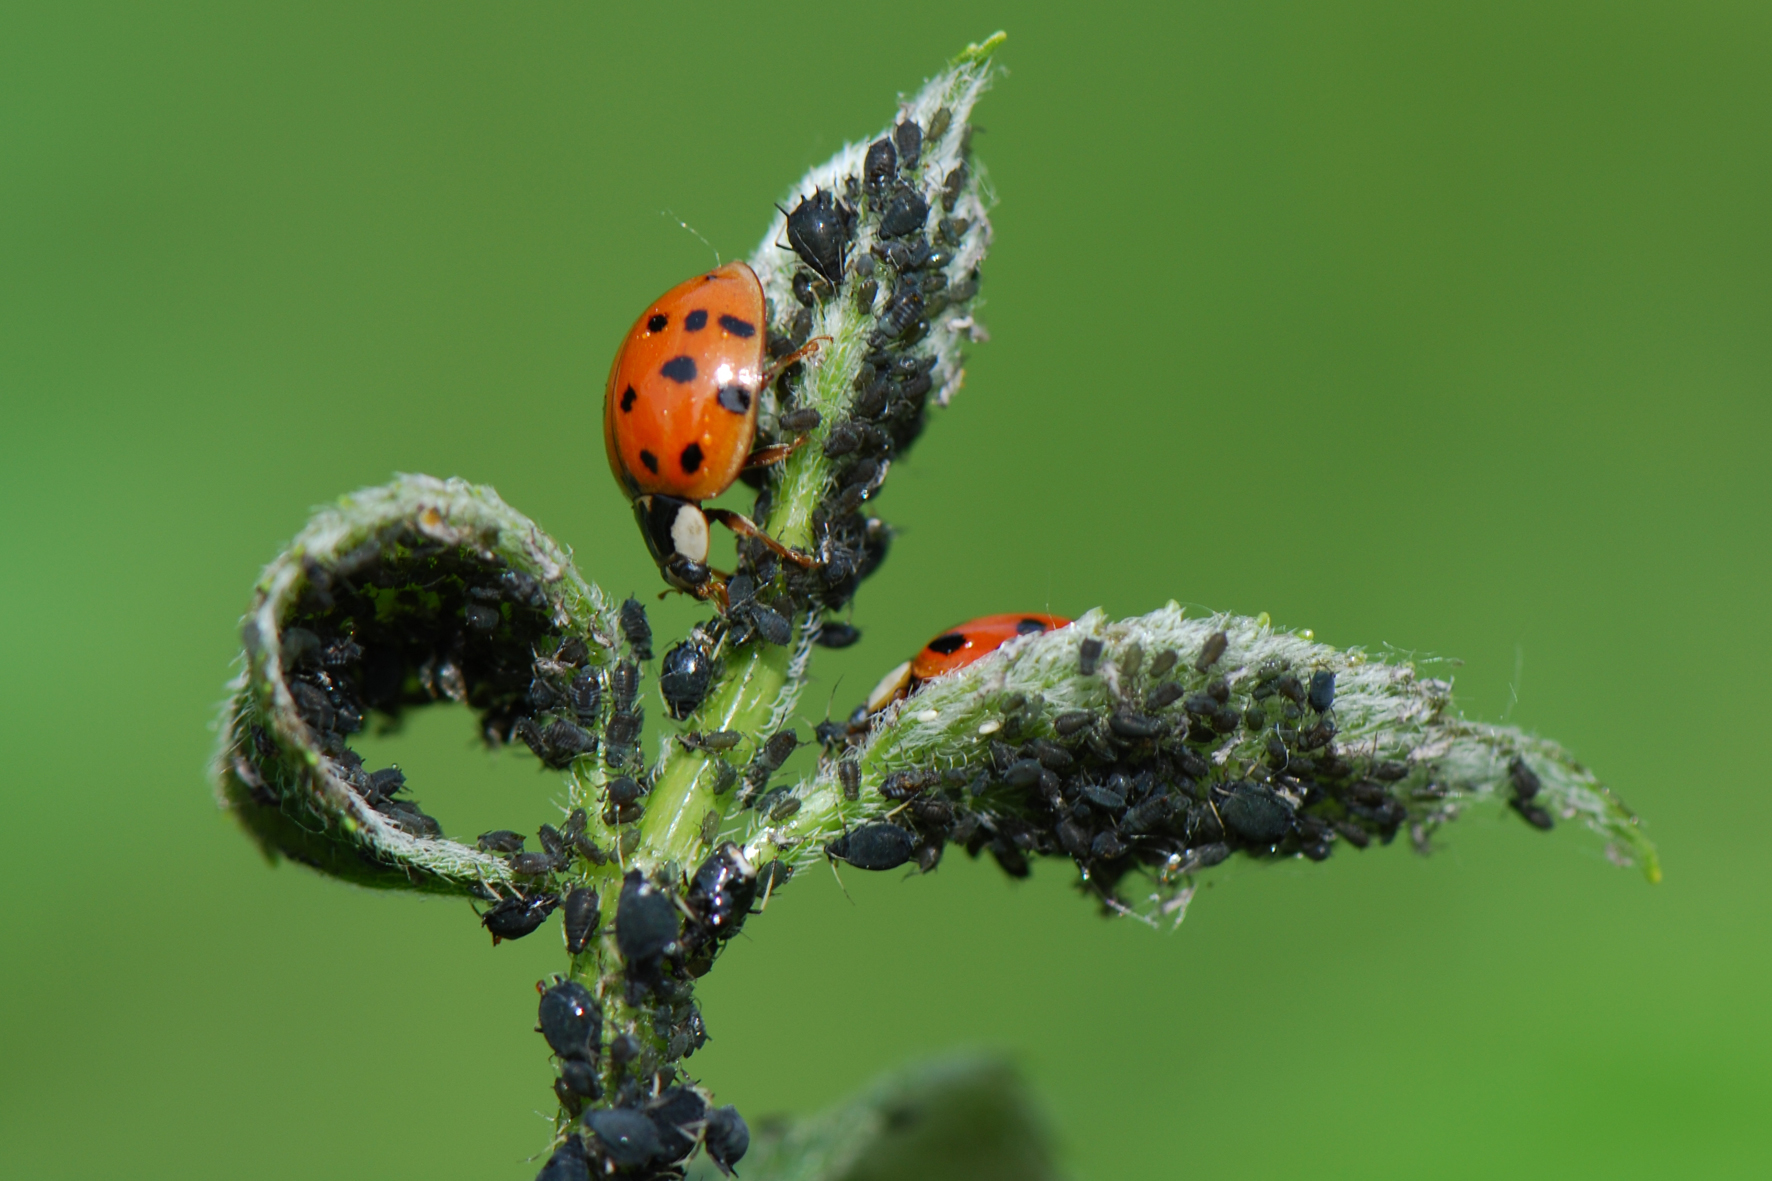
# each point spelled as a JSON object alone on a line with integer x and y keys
{"x": 672, "y": 215}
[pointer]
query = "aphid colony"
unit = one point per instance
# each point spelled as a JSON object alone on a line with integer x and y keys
{"x": 651, "y": 1120}
{"x": 681, "y": 407}
{"x": 405, "y": 620}
{"x": 1145, "y": 781}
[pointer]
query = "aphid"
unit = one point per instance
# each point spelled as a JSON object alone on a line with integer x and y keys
{"x": 635, "y": 629}
{"x": 819, "y": 229}
{"x": 1163, "y": 696}
{"x": 956, "y": 648}
{"x": 1390, "y": 771}
{"x": 1525, "y": 780}
{"x": 501, "y": 840}
{"x": 1069, "y": 724}
{"x": 1353, "y": 834}
{"x": 558, "y": 744}
{"x": 837, "y": 635}
{"x": 1211, "y": 651}
{"x": 800, "y": 420}
{"x": 938, "y": 124}
{"x": 726, "y": 1138}
{"x": 1322, "y": 690}
{"x": 684, "y": 676}
{"x": 907, "y": 214}
{"x": 1088, "y": 654}
{"x": 532, "y": 865}
{"x": 1254, "y": 718}
{"x": 580, "y": 1077}
{"x": 722, "y": 891}
{"x": 645, "y": 920}
{"x": 567, "y": 1164}
{"x": 908, "y": 138}
{"x": 879, "y": 166}
{"x": 849, "y": 775}
{"x": 551, "y": 840}
{"x": 1127, "y": 724}
{"x": 680, "y": 418}
{"x": 676, "y": 1115}
{"x": 481, "y": 617}
{"x": 623, "y": 1049}
{"x": 1255, "y": 812}
{"x": 954, "y": 185}
{"x": 1290, "y": 688}
{"x": 580, "y": 915}
{"x": 877, "y": 845}
{"x": 626, "y": 1137}
{"x": 517, "y": 916}
{"x": 619, "y": 738}
{"x": 710, "y": 827}
{"x": 783, "y": 809}
{"x": 1534, "y": 815}
{"x": 571, "y": 1020}
{"x": 770, "y": 757}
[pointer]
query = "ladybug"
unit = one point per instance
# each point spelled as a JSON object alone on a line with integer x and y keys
{"x": 956, "y": 648}
{"x": 680, "y": 418}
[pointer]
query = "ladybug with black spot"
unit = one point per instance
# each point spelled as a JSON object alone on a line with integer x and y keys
{"x": 956, "y": 648}
{"x": 680, "y": 418}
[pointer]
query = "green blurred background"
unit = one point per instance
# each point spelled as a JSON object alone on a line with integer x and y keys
{"x": 1441, "y": 326}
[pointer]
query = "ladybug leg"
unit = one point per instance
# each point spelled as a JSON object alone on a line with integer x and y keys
{"x": 745, "y": 527}
{"x": 799, "y": 354}
{"x": 773, "y": 454}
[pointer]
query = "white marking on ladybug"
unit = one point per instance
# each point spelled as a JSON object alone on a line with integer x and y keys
{"x": 689, "y": 534}
{"x": 891, "y": 687}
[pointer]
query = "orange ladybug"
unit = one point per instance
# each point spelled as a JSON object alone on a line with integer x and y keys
{"x": 680, "y": 418}
{"x": 955, "y": 649}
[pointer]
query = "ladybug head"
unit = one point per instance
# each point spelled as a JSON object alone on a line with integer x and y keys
{"x": 676, "y": 531}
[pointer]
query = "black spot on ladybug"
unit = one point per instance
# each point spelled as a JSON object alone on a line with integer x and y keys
{"x": 691, "y": 458}
{"x": 695, "y": 321}
{"x": 657, "y": 321}
{"x": 628, "y": 395}
{"x": 650, "y": 460}
{"x": 737, "y": 327}
{"x": 1029, "y": 627}
{"x": 680, "y": 369}
{"x": 947, "y": 645}
{"x": 735, "y": 398}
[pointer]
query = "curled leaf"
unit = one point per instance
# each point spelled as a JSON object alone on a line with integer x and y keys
{"x": 420, "y": 591}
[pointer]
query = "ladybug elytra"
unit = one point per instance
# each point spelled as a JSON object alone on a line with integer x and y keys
{"x": 680, "y": 417}
{"x": 956, "y": 648}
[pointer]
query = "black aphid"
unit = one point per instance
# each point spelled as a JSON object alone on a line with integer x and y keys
{"x": 1255, "y": 812}
{"x": 1088, "y": 654}
{"x": 580, "y": 1077}
{"x": 727, "y": 1138}
{"x": 877, "y": 845}
{"x": 722, "y": 891}
{"x": 501, "y": 840}
{"x": 567, "y": 1164}
{"x": 880, "y": 165}
{"x": 645, "y": 920}
{"x": 580, "y": 916}
{"x": 571, "y": 1020}
{"x": 676, "y": 1115}
{"x": 818, "y": 231}
{"x": 684, "y": 677}
{"x": 517, "y": 916}
{"x": 837, "y": 635}
{"x": 1322, "y": 690}
{"x": 1211, "y": 651}
{"x": 635, "y": 629}
{"x": 627, "y": 1138}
